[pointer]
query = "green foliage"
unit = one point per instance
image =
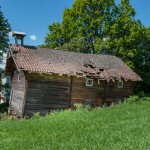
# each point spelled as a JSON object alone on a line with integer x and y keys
{"x": 55, "y": 39}
{"x": 93, "y": 21}
{"x": 68, "y": 29}
{"x": 142, "y": 61}
{"x": 103, "y": 27}
{"x": 4, "y": 38}
{"x": 141, "y": 94}
{"x": 125, "y": 35}
{"x": 123, "y": 126}
{"x": 132, "y": 99}
{"x": 6, "y": 117}
{"x": 86, "y": 19}
{"x": 77, "y": 45}
{"x": 4, "y": 107}
{"x": 4, "y": 33}
{"x": 4, "y": 112}
{"x": 140, "y": 97}
{"x": 79, "y": 106}
{"x": 36, "y": 115}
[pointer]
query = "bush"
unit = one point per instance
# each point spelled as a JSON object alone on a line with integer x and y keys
{"x": 4, "y": 107}
{"x": 132, "y": 99}
{"x": 79, "y": 106}
{"x": 5, "y": 116}
{"x": 36, "y": 115}
{"x": 141, "y": 94}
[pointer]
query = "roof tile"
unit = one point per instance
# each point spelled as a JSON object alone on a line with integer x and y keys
{"x": 44, "y": 60}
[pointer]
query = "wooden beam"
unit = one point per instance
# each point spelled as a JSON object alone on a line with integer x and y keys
{"x": 70, "y": 90}
{"x": 14, "y": 60}
{"x": 25, "y": 95}
{"x": 104, "y": 97}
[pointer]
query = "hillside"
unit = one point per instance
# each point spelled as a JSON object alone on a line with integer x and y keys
{"x": 125, "y": 126}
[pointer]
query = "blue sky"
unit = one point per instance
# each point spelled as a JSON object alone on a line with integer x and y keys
{"x": 34, "y": 16}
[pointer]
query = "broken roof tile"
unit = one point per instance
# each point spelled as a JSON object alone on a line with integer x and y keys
{"x": 45, "y": 60}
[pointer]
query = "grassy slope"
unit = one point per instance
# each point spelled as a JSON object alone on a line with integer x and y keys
{"x": 121, "y": 127}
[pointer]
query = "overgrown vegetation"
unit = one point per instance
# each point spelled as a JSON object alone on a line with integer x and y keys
{"x": 4, "y": 39}
{"x": 124, "y": 126}
{"x": 4, "y": 34}
{"x": 4, "y": 107}
{"x": 4, "y": 111}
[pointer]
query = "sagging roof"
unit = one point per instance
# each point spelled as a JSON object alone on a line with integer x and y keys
{"x": 43, "y": 60}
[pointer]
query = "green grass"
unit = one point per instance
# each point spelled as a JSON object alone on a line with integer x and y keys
{"x": 123, "y": 127}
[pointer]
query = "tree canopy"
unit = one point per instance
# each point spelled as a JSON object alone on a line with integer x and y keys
{"x": 4, "y": 33}
{"x": 4, "y": 39}
{"x": 103, "y": 27}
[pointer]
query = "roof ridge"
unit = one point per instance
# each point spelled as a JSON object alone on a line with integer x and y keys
{"x": 65, "y": 51}
{"x": 24, "y": 46}
{"x": 71, "y": 63}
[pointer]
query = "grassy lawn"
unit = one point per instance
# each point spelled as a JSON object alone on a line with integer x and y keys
{"x": 122, "y": 127}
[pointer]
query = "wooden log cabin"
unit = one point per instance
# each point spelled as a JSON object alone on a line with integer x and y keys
{"x": 45, "y": 79}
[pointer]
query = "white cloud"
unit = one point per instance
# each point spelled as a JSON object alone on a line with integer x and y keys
{"x": 33, "y": 37}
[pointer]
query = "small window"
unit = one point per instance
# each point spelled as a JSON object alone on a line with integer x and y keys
{"x": 89, "y": 82}
{"x": 87, "y": 102}
{"x": 120, "y": 84}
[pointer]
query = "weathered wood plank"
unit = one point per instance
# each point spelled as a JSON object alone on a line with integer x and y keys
{"x": 17, "y": 92}
{"x": 99, "y": 92}
{"x": 80, "y": 92}
{"x": 46, "y": 93}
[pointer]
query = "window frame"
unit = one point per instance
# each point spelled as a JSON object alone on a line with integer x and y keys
{"x": 87, "y": 84}
{"x": 88, "y": 102}
{"x": 118, "y": 84}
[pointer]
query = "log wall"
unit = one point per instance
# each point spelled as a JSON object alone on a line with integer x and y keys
{"x": 114, "y": 94}
{"x": 80, "y": 92}
{"x": 104, "y": 92}
{"x": 46, "y": 93}
{"x": 18, "y": 93}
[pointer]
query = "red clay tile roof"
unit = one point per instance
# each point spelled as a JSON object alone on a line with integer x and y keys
{"x": 44, "y": 60}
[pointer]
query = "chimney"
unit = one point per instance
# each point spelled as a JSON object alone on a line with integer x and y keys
{"x": 18, "y": 36}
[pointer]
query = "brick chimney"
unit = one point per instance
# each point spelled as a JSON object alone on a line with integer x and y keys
{"x": 18, "y": 36}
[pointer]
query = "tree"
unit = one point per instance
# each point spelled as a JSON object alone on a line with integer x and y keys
{"x": 103, "y": 27}
{"x": 54, "y": 39}
{"x": 87, "y": 18}
{"x": 4, "y": 38}
{"x": 77, "y": 44}
{"x": 125, "y": 33}
{"x": 4, "y": 33}
{"x": 142, "y": 61}
{"x": 69, "y": 29}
